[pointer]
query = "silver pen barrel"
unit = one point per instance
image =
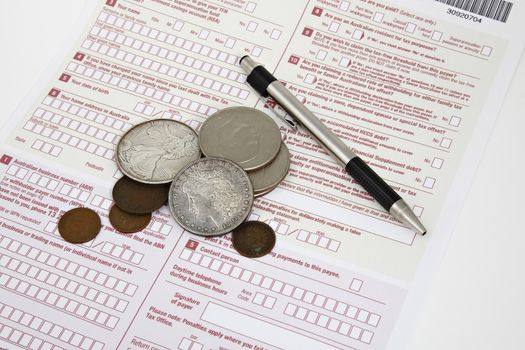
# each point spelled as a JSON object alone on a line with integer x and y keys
{"x": 324, "y": 136}
{"x": 303, "y": 115}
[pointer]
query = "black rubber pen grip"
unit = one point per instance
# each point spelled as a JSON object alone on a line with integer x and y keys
{"x": 374, "y": 184}
{"x": 259, "y": 79}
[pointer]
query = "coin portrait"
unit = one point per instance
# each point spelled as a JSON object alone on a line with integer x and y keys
{"x": 211, "y": 196}
{"x": 253, "y": 239}
{"x": 154, "y": 151}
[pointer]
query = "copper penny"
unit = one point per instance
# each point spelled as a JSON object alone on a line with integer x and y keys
{"x": 138, "y": 198}
{"x": 253, "y": 239}
{"x": 126, "y": 222}
{"x": 79, "y": 225}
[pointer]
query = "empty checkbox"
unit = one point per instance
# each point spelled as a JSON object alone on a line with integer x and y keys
{"x": 333, "y": 325}
{"x": 334, "y": 245}
{"x": 436, "y": 35}
{"x": 269, "y": 302}
{"x": 417, "y": 210}
{"x": 362, "y": 316}
{"x": 455, "y": 121}
{"x": 355, "y": 332}
{"x": 258, "y": 299}
{"x": 290, "y": 309}
{"x": 429, "y": 182}
{"x": 256, "y": 52}
{"x": 356, "y": 285}
{"x": 323, "y": 242}
{"x": 366, "y": 337}
{"x": 344, "y": 62}
{"x": 486, "y": 51}
{"x": 344, "y": 5}
{"x": 301, "y": 313}
{"x": 298, "y": 293}
{"x": 283, "y": 228}
{"x": 276, "y": 34}
{"x": 312, "y": 317}
{"x": 287, "y": 290}
{"x": 178, "y": 25}
{"x": 313, "y": 238}
{"x": 303, "y": 235}
{"x": 252, "y": 26}
{"x": 246, "y": 275}
{"x": 334, "y": 27}
{"x": 437, "y": 163}
{"x": 373, "y": 320}
{"x": 250, "y": 7}
{"x": 446, "y": 142}
{"x": 204, "y": 34}
{"x": 236, "y": 272}
{"x": 358, "y": 34}
{"x": 310, "y": 79}
{"x": 321, "y": 55}
{"x": 378, "y": 17}
{"x": 230, "y": 42}
{"x": 410, "y": 27}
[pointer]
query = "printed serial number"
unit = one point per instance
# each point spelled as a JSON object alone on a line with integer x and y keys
{"x": 464, "y": 15}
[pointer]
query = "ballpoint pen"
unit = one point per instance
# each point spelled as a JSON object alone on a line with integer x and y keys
{"x": 266, "y": 84}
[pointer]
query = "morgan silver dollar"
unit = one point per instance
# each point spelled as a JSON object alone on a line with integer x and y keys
{"x": 211, "y": 196}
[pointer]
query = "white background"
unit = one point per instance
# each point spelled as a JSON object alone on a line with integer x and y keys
{"x": 477, "y": 297}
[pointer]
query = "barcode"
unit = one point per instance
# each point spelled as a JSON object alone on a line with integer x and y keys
{"x": 495, "y": 9}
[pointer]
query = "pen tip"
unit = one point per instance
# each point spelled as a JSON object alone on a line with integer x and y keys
{"x": 401, "y": 211}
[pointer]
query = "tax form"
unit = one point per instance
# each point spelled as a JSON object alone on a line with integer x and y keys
{"x": 408, "y": 84}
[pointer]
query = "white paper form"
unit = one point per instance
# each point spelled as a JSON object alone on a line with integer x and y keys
{"x": 177, "y": 59}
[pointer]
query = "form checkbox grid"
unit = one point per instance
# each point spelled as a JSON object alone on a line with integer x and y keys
{"x": 67, "y": 266}
{"x": 67, "y": 285}
{"x": 333, "y": 324}
{"x": 280, "y": 287}
{"x": 44, "y": 327}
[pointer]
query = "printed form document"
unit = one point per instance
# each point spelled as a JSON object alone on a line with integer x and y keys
{"x": 414, "y": 86}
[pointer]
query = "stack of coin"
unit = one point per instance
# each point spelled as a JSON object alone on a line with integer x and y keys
{"x": 251, "y": 139}
{"x": 160, "y": 160}
{"x": 150, "y": 155}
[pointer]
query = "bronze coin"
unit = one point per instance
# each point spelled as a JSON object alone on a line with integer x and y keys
{"x": 253, "y": 239}
{"x": 79, "y": 225}
{"x": 139, "y": 198}
{"x": 126, "y": 222}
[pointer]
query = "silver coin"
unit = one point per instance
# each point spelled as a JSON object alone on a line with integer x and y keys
{"x": 211, "y": 196}
{"x": 271, "y": 174}
{"x": 155, "y": 151}
{"x": 245, "y": 135}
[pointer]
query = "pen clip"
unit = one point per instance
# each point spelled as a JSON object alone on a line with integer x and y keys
{"x": 280, "y": 113}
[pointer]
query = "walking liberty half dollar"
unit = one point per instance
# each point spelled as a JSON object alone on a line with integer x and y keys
{"x": 211, "y": 196}
{"x": 245, "y": 135}
{"x": 153, "y": 152}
